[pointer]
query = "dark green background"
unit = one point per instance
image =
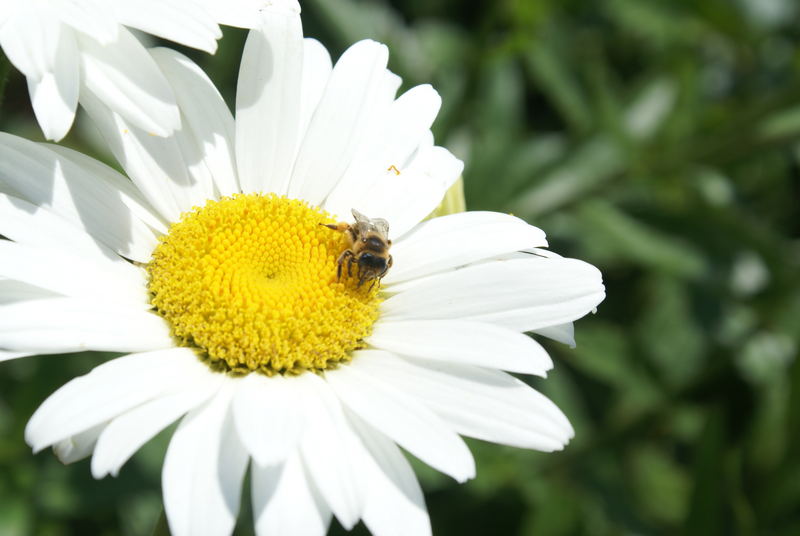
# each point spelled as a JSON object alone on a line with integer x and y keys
{"x": 657, "y": 140}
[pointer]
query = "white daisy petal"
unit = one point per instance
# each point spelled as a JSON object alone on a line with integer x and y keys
{"x": 30, "y": 38}
{"x": 79, "y": 446}
{"x": 159, "y": 166}
{"x": 268, "y": 103}
{"x": 285, "y": 501}
{"x": 62, "y": 325}
{"x": 408, "y": 121}
{"x": 564, "y": 333}
{"x": 170, "y": 19}
{"x": 139, "y": 92}
{"x": 6, "y": 10}
{"x": 385, "y": 95}
{"x": 5, "y": 355}
{"x": 196, "y": 185}
{"x": 203, "y": 470}
{"x": 128, "y": 432}
{"x": 59, "y": 43}
{"x": 268, "y": 417}
{"x": 14, "y": 291}
{"x": 466, "y": 342}
{"x": 147, "y": 161}
{"x": 87, "y": 193}
{"x": 370, "y": 165}
{"x": 129, "y": 195}
{"x": 206, "y": 118}
{"x": 426, "y": 142}
{"x": 327, "y": 450}
{"x": 338, "y": 124}
{"x": 245, "y": 13}
{"x": 537, "y": 318}
{"x": 317, "y": 69}
{"x": 539, "y": 252}
{"x": 406, "y": 199}
{"x": 396, "y": 134}
{"x": 481, "y": 403}
{"x": 93, "y": 17}
{"x": 522, "y": 294}
{"x": 109, "y": 390}
{"x": 78, "y": 276}
{"x": 459, "y": 239}
{"x": 410, "y": 424}
{"x": 394, "y": 503}
{"x": 54, "y": 95}
{"x": 31, "y": 225}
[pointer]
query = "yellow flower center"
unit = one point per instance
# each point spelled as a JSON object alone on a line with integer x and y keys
{"x": 250, "y": 282}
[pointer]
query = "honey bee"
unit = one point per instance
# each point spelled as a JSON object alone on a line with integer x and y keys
{"x": 368, "y": 241}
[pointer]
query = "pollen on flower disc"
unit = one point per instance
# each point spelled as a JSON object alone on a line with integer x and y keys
{"x": 250, "y": 282}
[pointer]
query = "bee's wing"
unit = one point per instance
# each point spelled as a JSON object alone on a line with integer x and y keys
{"x": 380, "y": 225}
{"x": 365, "y": 223}
{"x": 360, "y": 218}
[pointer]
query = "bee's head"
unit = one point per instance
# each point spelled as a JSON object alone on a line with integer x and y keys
{"x": 371, "y": 261}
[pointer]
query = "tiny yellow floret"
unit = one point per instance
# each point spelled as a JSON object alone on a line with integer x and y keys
{"x": 250, "y": 282}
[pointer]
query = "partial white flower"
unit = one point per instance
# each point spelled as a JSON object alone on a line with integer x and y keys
{"x": 70, "y": 48}
{"x": 232, "y": 312}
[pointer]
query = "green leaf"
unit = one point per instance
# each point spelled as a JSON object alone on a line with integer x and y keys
{"x": 650, "y": 108}
{"x": 668, "y": 333}
{"x": 661, "y": 485}
{"x": 550, "y": 69}
{"x": 5, "y": 67}
{"x": 603, "y": 352}
{"x": 615, "y": 236}
{"x": 585, "y": 169}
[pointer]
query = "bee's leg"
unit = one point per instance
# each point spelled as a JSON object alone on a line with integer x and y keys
{"x": 362, "y": 275}
{"x": 341, "y": 226}
{"x": 350, "y": 262}
{"x": 376, "y": 280}
{"x": 346, "y": 254}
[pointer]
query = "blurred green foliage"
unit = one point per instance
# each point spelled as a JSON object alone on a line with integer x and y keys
{"x": 656, "y": 139}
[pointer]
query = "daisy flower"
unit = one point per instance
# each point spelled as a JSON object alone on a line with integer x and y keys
{"x": 213, "y": 269}
{"x": 70, "y": 48}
